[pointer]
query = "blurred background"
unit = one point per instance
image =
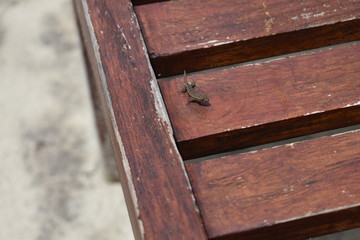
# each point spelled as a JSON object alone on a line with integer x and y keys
{"x": 53, "y": 184}
{"x": 53, "y": 181}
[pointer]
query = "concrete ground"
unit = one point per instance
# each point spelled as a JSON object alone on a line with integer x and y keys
{"x": 53, "y": 184}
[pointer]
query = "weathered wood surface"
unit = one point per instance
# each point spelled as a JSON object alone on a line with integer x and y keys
{"x": 295, "y": 191}
{"x": 193, "y": 35}
{"x": 269, "y": 101}
{"x": 155, "y": 184}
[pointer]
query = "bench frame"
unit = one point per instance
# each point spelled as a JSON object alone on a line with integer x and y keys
{"x": 156, "y": 186}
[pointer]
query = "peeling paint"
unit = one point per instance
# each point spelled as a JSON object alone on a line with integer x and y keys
{"x": 353, "y": 104}
{"x": 268, "y": 24}
{"x": 209, "y": 42}
{"x": 290, "y": 145}
{"x": 348, "y": 19}
{"x": 339, "y": 134}
{"x": 321, "y": 24}
{"x": 306, "y": 15}
{"x": 222, "y": 43}
{"x": 313, "y": 113}
{"x": 319, "y": 14}
{"x": 269, "y": 21}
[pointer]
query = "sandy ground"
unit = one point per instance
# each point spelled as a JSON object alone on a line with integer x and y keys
{"x": 53, "y": 183}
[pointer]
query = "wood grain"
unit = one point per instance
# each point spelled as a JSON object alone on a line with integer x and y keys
{"x": 194, "y": 35}
{"x": 268, "y": 101}
{"x": 157, "y": 191}
{"x": 295, "y": 191}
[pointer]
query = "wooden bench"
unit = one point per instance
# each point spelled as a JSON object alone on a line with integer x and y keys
{"x": 273, "y": 71}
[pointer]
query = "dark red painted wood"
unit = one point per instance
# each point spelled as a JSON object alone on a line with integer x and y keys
{"x": 295, "y": 191}
{"x": 195, "y": 34}
{"x": 268, "y": 101}
{"x": 155, "y": 184}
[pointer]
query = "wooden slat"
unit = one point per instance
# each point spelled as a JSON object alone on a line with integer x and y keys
{"x": 155, "y": 184}
{"x": 295, "y": 191}
{"x": 263, "y": 102}
{"x": 195, "y": 35}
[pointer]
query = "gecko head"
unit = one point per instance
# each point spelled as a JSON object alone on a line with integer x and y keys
{"x": 205, "y": 99}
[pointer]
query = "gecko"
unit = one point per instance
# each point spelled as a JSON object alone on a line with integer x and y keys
{"x": 193, "y": 95}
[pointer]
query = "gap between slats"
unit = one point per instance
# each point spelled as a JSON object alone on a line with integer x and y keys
{"x": 143, "y": 2}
